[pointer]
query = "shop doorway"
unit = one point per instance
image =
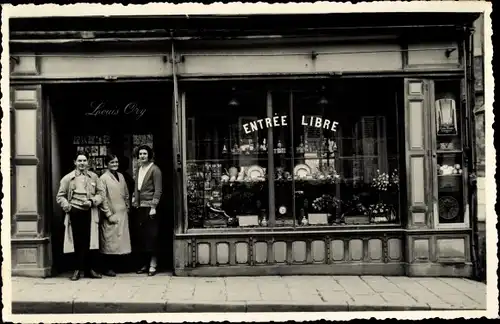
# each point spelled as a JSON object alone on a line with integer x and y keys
{"x": 110, "y": 118}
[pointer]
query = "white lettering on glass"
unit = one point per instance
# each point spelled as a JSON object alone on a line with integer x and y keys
{"x": 253, "y": 126}
{"x": 268, "y": 123}
{"x": 276, "y": 121}
{"x": 103, "y": 108}
{"x": 304, "y": 121}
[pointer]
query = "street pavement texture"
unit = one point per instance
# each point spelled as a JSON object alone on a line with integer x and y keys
{"x": 131, "y": 293}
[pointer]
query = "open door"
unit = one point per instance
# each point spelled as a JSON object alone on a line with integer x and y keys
{"x": 418, "y": 152}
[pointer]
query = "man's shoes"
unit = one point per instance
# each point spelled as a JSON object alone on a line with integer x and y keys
{"x": 94, "y": 275}
{"x": 76, "y": 275}
{"x": 142, "y": 270}
{"x": 110, "y": 273}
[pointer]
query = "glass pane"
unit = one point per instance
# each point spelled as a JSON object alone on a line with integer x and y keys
{"x": 226, "y": 157}
{"x": 450, "y": 188}
{"x": 347, "y": 154}
{"x": 449, "y": 137}
{"x": 315, "y": 163}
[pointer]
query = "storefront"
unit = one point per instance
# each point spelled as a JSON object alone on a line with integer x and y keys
{"x": 341, "y": 146}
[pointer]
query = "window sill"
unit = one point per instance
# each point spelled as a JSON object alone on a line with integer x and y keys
{"x": 293, "y": 230}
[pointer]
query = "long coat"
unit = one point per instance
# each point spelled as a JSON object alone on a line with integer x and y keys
{"x": 94, "y": 189}
{"x": 115, "y": 237}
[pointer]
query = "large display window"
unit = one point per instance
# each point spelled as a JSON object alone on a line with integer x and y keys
{"x": 297, "y": 156}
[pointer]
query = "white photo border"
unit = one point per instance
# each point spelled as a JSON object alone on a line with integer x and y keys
{"x": 238, "y": 8}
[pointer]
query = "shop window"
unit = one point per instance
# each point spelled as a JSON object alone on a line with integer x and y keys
{"x": 316, "y": 156}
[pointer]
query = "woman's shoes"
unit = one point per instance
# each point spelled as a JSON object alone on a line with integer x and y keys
{"x": 76, "y": 275}
{"x": 152, "y": 271}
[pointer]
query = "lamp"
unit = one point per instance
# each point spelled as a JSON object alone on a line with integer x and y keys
{"x": 322, "y": 100}
{"x": 446, "y": 115}
{"x": 233, "y": 102}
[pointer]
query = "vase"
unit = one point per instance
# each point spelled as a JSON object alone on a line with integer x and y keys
{"x": 386, "y": 217}
{"x": 379, "y": 218}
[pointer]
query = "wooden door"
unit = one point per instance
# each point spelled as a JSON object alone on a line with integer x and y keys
{"x": 29, "y": 127}
{"x": 418, "y": 152}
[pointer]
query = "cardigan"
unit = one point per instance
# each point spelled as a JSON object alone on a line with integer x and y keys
{"x": 150, "y": 193}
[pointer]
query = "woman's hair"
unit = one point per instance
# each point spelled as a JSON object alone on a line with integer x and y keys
{"x": 147, "y": 148}
{"x": 81, "y": 152}
{"x": 110, "y": 157}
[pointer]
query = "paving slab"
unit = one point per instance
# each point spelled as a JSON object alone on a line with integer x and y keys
{"x": 438, "y": 287}
{"x": 274, "y": 291}
{"x": 210, "y": 290}
{"x": 334, "y": 297}
{"x": 355, "y": 286}
{"x": 381, "y": 284}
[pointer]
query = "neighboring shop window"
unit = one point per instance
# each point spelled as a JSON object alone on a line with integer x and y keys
{"x": 451, "y": 174}
{"x": 323, "y": 157}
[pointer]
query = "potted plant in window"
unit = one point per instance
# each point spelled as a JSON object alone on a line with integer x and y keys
{"x": 325, "y": 208}
{"x": 386, "y": 187}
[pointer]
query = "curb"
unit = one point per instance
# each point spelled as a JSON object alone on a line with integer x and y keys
{"x": 80, "y": 307}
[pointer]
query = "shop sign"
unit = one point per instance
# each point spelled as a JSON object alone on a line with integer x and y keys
{"x": 279, "y": 121}
{"x": 103, "y": 108}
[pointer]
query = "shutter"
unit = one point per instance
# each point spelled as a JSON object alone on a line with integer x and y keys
{"x": 28, "y": 196}
{"x": 417, "y": 135}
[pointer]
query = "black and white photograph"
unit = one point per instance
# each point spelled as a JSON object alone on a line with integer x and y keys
{"x": 246, "y": 162}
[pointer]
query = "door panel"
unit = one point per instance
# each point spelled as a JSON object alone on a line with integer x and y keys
{"x": 417, "y": 101}
{"x": 30, "y": 250}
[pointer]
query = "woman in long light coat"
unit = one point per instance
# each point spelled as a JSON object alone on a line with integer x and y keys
{"x": 114, "y": 234}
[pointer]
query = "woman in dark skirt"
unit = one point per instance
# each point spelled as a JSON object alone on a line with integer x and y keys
{"x": 147, "y": 194}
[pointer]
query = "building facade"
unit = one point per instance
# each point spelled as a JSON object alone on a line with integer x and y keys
{"x": 340, "y": 146}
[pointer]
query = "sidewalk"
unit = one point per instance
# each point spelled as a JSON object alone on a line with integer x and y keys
{"x": 131, "y": 293}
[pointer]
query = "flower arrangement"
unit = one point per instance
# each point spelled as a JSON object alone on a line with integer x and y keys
{"x": 385, "y": 182}
{"x": 326, "y": 203}
{"x": 381, "y": 213}
{"x": 387, "y": 186}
